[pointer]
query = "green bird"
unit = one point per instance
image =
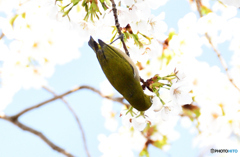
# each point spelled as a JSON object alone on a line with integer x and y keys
{"x": 122, "y": 73}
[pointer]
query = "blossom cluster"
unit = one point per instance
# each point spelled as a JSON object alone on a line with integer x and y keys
{"x": 38, "y": 35}
{"x": 202, "y": 98}
{"x": 35, "y": 41}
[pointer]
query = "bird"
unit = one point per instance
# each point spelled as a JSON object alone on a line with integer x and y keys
{"x": 122, "y": 73}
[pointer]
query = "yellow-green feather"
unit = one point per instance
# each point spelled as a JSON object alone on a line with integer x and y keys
{"x": 121, "y": 73}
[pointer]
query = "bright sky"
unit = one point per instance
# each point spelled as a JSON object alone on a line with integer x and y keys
{"x": 57, "y": 123}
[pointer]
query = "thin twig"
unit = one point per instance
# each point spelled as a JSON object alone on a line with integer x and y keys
{"x": 2, "y": 35}
{"x": 224, "y": 65}
{"x": 118, "y": 25}
{"x": 118, "y": 99}
{"x": 222, "y": 62}
{"x": 37, "y": 133}
{"x": 199, "y": 4}
{"x": 75, "y": 116}
{"x": 14, "y": 119}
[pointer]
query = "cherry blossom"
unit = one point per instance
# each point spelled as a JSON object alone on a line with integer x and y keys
{"x": 234, "y": 3}
{"x": 180, "y": 93}
{"x": 39, "y": 35}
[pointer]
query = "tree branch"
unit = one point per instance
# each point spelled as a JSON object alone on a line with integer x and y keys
{"x": 118, "y": 25}
{"x": 222, "y": 62}
{"x": 75, "y": 116}
{"x": 224, "y": 65}
{"x": 2, "y": 35}
{"x": 37, "y": 133}
{"x": 14, "y": 119}
{"x": 199, "y": 4}
{"x": 118, "y": 99}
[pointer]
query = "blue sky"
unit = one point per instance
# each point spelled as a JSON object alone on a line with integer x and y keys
{"x": 57, "y": 123}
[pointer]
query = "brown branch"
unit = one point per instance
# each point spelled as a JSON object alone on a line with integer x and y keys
{"x": 37, "y": 133}
{"x": 118, "y": 25}
{"x": 224, "y": 65}
{"x": 118, "y": 99}
{"x": 146, "y": 84}
{"x": 14, "y": 119}
{"x": 75, "y": 116}
{"x": 222, "y": 61}
{"x": 2, "y": 35}
{"x": 199, "y": 4}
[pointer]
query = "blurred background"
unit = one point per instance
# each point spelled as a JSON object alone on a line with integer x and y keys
{"x": 58, "y": 124}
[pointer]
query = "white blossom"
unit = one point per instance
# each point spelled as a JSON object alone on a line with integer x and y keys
{"x": 180, "y": 93}
{"x": 235, "y": 3}
{"x": 109, "y": 115}
{"x": 169, "y": 110}
{"x": 135, "y": 121}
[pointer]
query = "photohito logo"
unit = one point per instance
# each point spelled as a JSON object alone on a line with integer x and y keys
{"x": 223, "y": 150}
